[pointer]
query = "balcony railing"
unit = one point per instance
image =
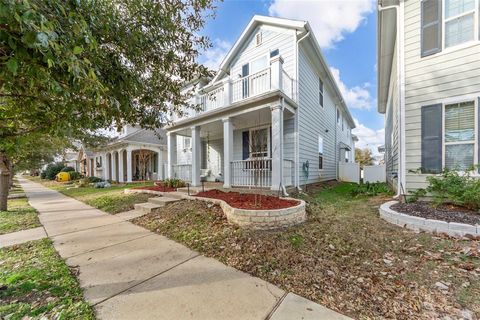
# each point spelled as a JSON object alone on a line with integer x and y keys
{"x": 234, "y": 90}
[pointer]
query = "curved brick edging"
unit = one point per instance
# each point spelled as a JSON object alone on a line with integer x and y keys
{"x": 453, "y": 229}
{"x": 252, "y": 219}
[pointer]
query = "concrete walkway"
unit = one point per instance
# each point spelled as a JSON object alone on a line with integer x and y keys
{"x": 128, "y": 272}
{"x": 22, "y": 236}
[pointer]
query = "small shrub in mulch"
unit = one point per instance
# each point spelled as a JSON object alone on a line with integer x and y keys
{"x": 249, "y": 201}
{"x": 444, "y": 212}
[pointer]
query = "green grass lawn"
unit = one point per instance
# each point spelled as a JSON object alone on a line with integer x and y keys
{"x": 344, "y": 257}
{"x": 112, "y": 200}
{"x": 19, "y": 216}
{"x": 35, "y": 282}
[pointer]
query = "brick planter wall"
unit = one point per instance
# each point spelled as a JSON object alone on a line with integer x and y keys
{"x": 252, "y": 219}
{"x": 453, "y": 229}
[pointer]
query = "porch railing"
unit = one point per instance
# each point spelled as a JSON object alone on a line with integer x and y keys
{"x": 212, "y": 100}
{"x": 251, "y": 85}
{"x": 182, "y": 172}
{"x": 288, "y": 173}
{"x": 287, "y": 84}
{"x": 255, "y": 173}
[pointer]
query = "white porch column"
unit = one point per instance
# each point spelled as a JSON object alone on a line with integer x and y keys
{"x": 171, "y": 152}
{"x": 104, "y": 167}
{"x": 227, "y": 152}
{"x": 277, "y": 146}
{"x": 196, "y": 156}
{"x": 129, "y": 165}
{"x": 160, "y": 165}
{"x": 276, "y": 72}
{"x": 121, "y": 176}
{"x": 107, "y": 166}
{"x": 114, "y": 166}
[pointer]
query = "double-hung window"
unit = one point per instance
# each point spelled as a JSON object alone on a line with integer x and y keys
{"x": 459, "y": 136}
{"x": 187, "y": 143}
{"x": 460, "y": 21}
{"x": 320, "y": 152}
{"x": 260, "y": 143}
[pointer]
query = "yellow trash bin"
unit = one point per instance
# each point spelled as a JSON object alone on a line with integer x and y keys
{"x": 63, "y": 176}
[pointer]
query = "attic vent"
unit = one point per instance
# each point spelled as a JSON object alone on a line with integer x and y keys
{"x": 258, "y": 38}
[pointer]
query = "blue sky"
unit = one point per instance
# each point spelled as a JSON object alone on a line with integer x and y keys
{"x": 346, "y": 31}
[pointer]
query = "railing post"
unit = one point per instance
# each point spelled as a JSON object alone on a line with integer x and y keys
{"x": 276, "y": 73}
{"x": 227, "y": 92}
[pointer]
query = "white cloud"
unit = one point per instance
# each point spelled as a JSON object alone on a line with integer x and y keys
{"x": 368, "y": 138}
{"x": 214, "y": 56}
{"x": 330, "y": 19}
{"x": 357, "y": 97}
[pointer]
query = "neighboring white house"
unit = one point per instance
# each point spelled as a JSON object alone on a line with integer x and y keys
{"x": 272, "y": 116}
{"x": 428, "y": 87}
{"x": 136, "y": 154}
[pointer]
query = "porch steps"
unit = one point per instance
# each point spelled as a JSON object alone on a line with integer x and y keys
{"x": 162, "y": 201}
{"x": 147, "y": 207}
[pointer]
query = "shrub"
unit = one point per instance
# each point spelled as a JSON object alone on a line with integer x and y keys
{"x": 453, "y": 187}
{"x": 52, "y": 170}
{"x": 67, "y": 169}
{"x": 93, "y": 179}
{"x": 74, "y": 175}
{"x": 415, "y": 195}
{"x": 174, "y": 183}
{"x": 370, "y": 189}
{"x": 43, "y": 174}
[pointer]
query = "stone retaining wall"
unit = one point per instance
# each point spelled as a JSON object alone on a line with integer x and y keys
{"x": 252, "y": 219}
{"x": 453, "y": 229}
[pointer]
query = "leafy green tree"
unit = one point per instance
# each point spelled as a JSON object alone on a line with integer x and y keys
{"x": 70, "y": 67}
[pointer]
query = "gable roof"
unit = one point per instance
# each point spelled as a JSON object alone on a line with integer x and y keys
{"x": 304, "y": 29}
{"x": 143, "y": 136}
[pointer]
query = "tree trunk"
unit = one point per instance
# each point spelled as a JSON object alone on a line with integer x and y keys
{"x": 4, "y": 181}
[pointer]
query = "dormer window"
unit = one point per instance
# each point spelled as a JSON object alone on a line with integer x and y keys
{"x": 258, "y": 38}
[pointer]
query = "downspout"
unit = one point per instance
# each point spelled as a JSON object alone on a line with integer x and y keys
{"x": 297, "y": 95}
{"x": 401, "y": 96}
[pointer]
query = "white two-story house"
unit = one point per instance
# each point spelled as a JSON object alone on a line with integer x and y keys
{"x": 271, "y": 117}
{"x": 428, "y": 87}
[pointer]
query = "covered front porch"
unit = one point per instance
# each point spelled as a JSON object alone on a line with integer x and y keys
{"x": 129, "y": 163}
{"x": 251, "y": 147}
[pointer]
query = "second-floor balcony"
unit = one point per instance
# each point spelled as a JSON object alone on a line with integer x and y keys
{"x": 231, "y": 91}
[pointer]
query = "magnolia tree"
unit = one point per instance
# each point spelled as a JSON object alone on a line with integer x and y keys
{"x": 70, "y": 67}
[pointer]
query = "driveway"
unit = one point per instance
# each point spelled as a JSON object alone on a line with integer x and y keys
{"x": 128, "y": 272}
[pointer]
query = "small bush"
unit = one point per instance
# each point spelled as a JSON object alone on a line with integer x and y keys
{"x": 43, "y": 174}
{"x": 453, "y": 187}
{"x": 52, "y": 170}
{"x": 74, "y": 175}
{"x": 93, "y": 179}
{"x": 174, "y": 183}
{"x": 370, "y": 189}
{"x": 67, "y": 169}
{"x": 415, "y": 195}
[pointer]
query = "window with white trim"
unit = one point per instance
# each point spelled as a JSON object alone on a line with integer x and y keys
{"x": 338, "y": 116}
{"x": 320, "y": 92}
{"x": 460, "y": 21}
{"x": 320, "y": 152}
{"x": 459, "y": 136}
{"x": 187, "y": 143}
{"x": 260, "y": 143}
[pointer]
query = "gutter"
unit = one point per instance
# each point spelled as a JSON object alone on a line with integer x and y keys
{"x": 297, "y": 95}
{"x": 401, "y": 93}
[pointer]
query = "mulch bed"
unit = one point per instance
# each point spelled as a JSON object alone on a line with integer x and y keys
{"x": 448, "y": 213}
{"x": 249, "y": 201}
{"x": 157, "y": 187}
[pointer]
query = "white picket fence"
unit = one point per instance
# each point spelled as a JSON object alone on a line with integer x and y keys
{"x": 349, "y": 172}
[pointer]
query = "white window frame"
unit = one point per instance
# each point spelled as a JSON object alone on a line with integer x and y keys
{"x": 475, "y": 141}
{"x": 322, "y": 153}
{"x": 185, "y": 145}
{"x": 250, "y": 72}
{"x": 475, "y": 39}
{"x": 250, "y": 144}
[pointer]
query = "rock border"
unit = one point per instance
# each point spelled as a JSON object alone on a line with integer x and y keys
{"x": 251, "y": 219}
{"x": 453, "y": 229}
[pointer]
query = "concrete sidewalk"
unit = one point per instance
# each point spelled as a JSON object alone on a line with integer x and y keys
{"x": 128, "y": 272}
